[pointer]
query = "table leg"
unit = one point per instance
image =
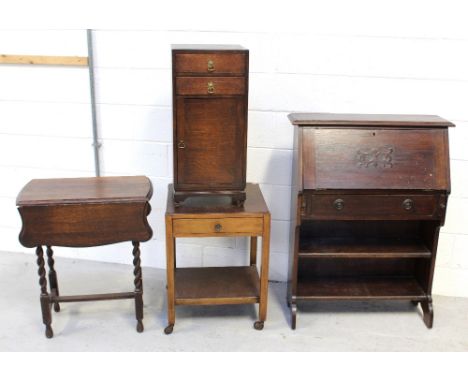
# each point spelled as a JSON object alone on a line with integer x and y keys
{"x": 264, "y": 273}
{"x": 138, "y": 282}
{"x": 170, "y": 271}
{"x": 54, "y": 289}
{"x": 44, "y": 298}
{"x": 253, "y": 250}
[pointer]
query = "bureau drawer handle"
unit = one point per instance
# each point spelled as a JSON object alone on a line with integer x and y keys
{"x": 408, "y": 204}
{"x": 218, "y": 227}
{"x": 211, "y": 67}
{"x": 181, "y": 145}
{"x": 338, "y": 204}
{"x": 210, "y": 87}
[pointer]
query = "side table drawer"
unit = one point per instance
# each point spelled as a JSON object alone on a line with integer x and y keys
{"x": 213, "y": 227}
{"x": 355, "y": 207}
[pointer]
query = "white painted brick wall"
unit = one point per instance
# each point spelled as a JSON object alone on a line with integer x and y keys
{"x": 387, "y": 59}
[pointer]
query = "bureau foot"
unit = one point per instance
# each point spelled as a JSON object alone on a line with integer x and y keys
{"x": 428, "y": 312}
{"x": 258, "y": 325}
{"x": 49, "y": 333}
{"x": 139, "y": 326}
{"x": 415, "y": 302}
{"x": 293, "y": 307}
{"x": 168, "y": 329}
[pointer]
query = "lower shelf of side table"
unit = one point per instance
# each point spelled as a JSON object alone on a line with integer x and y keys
{"x": 217, "y": 285}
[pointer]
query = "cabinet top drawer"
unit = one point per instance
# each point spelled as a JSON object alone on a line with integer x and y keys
{"x": 210, "y": 63}
{"x": 375, "y": 158}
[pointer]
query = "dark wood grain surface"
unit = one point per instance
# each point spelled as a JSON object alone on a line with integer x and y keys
{"x": 352, "y": 120}
{"x": 386, "y": 159}
{"x": 91, "y": 190}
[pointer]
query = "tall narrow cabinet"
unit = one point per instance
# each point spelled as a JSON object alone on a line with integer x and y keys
{"x": 210, "y": 101}
{"x": 369, "y": 197}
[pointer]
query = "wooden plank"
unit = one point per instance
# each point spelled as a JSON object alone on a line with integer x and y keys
{"x": 43, "y": 60}
{"x": 93, "y": 297}
{"x": 217, "y": 285}
{"x": 365, "y": 288}
{"x": 370, "y": 120}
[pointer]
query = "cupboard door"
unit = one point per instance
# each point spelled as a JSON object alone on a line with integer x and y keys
{"x": 210, "y": 143}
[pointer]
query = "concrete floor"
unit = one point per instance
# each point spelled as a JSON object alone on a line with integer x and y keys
{"x": 110, "y": 325}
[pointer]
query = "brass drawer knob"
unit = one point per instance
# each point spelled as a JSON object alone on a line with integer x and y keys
{"x": 408, "y": 204}
{"x": 211, "y": 67}
{"x": 181, "y": 145}
{"x": 338, "y": 204}
{"x": 210, "y": 87}
{"x": 218, "y": 227}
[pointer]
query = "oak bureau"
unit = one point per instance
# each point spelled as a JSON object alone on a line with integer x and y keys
{"x": 369, "y": 195}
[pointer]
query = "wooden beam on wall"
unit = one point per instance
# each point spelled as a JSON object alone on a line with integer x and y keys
{"x": 43, "y": 60}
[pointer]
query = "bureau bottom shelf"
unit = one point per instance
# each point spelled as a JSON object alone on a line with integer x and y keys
{"x": 360, "y": 288}
{"x": 217, "y": 285}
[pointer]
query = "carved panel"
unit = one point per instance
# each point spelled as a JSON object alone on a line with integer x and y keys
{"x": 376, "y": 157}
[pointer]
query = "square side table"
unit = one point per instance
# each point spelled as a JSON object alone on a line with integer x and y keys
{"x": 202, "y": 217}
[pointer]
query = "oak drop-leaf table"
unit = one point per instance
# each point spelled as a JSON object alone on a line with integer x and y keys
{"x": 84, "y": 212}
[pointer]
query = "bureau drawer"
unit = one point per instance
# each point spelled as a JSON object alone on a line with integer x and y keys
{"x": 210, "y": 63}
{"x": 214, "y": 227}
{"x": 374, "y": 207}
{"x": 210, "y": 86}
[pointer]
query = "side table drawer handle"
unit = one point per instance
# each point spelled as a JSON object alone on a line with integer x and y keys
{"x": 218, "y": 227}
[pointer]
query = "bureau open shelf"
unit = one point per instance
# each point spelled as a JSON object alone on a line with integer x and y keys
{"x": 364, "y": 288}
{"x": 362, "y": 239}
{"x": 321, "y": 278}
{"x": 217, "y": 285}
{"x": 363, "y": 247}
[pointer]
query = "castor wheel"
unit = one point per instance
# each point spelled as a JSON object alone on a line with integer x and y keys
{"x": 49, "y": 333}
{"x": 56, "y": 307}
{"x": 258, "y": 325}
{"x": 168, "y": 329}
{"x": 139, "y": 327}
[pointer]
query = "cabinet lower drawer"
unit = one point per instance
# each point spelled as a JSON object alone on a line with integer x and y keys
{"x": 210, "y": 63}
{"x": 210, "y": 85}
{"x": 355, "y": 207}
{"x": 222, "y": 227}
